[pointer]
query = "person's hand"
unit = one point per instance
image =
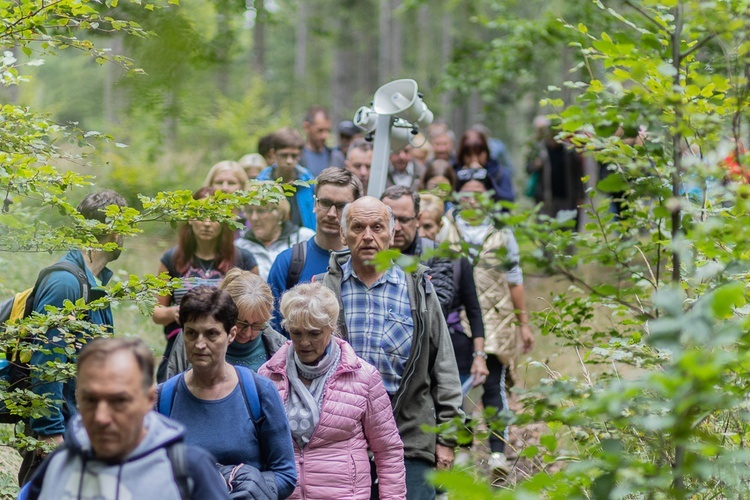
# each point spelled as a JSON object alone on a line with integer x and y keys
{"x": 479, "y": 370}
{"x": 526, "y": 338}
{"x": 444, "y": 455}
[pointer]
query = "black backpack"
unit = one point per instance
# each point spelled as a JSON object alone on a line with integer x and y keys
{"x": 16, "y": 372}
{"x": 299, "y": 256}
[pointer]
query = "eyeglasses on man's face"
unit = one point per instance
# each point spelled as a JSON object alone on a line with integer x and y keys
{"x": 326, "y": 204}
{"x": 405, "y": 220}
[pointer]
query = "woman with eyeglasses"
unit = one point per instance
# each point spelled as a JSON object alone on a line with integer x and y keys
{"x": 270, "y": 233}
{"x": 474, "y": 156}
{"x": 256, "y": 341}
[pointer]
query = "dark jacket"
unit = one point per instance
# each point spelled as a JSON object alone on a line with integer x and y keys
{"x": 440, "y": 272}
{"x": 430, "y": 390}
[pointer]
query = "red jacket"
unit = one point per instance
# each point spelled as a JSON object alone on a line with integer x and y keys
{"x": 356, "y": 414}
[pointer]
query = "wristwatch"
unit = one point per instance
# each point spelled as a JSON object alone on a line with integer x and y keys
{"x": 480, "y": 353}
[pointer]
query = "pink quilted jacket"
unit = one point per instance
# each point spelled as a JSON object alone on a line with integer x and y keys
{"x": 356, "y": 413}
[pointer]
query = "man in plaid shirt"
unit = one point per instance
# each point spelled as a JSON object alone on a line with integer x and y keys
{"x": 393, "y": 320}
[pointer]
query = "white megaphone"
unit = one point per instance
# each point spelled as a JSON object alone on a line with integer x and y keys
{"x": 400, "y": 97}
{"x": 366, "y": 119}
{"x": 402, "y": 134}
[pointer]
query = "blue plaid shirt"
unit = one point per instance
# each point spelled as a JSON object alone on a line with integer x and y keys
{"x": 379, "y": 321}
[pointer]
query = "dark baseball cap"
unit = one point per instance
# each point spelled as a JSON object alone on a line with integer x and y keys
{"x": 349, "y": 129}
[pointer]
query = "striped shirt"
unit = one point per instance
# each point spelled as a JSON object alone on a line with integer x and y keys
{"x": 379, "y": 322}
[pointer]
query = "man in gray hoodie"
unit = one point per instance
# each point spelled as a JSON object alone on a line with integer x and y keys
{"x": 116, "y": 447}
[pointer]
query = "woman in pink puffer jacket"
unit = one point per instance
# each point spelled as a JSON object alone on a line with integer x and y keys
{"x": 336, "y": 404}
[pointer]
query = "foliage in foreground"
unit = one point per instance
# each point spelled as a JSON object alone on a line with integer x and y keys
{"x": 674, "y": 266}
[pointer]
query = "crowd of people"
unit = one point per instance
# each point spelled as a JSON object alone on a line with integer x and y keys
{"x": 295, "y": 367}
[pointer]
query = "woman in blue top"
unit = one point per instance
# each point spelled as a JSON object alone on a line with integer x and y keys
{"x": 211, "y": 403}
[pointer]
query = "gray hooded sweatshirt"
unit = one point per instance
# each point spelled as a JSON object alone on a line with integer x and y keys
{"x": 73, "y": 472}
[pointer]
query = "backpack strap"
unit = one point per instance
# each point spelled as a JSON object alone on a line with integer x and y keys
{"x": 63, "y": 265}
{"x": 165, "y": 395}
{"x": 250, "y": 392}
{"x": 299, "y": 256}
{"x": 457, "y": 274}
{"x": 177, "y": 454}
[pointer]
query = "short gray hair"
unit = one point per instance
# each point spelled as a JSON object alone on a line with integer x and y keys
{"x": 345, "y": 223}
{"x": 309, "y": 306}
{"x": 102, "y": 348}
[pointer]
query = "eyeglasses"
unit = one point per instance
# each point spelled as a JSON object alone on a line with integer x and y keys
{"x": 405, "y": 220}
{"x": 469, "y": 174}
{"x": 256, "y": 327}
{"x": 327, "y": 204}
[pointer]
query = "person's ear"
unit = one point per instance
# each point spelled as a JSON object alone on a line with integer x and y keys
{"x": 151, "y": 394}
{"x": 232, "y": 333}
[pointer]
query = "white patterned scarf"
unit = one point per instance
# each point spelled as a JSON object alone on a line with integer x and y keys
{"x": 304, "y": 403}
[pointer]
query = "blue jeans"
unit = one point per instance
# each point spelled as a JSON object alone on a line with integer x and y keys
{"x": 417, "y": 486}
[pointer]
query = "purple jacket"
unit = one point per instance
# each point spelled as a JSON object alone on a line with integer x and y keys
{"x": 356, "y": 414}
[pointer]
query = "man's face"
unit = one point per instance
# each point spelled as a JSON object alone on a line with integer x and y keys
{"x": 442, "y": 147}
{"x": 287, "y": 159}
{"x": 359, "y": 164}
{"x": 329, "y": 220}
{"x": 368, "y": 231}
{"x": 317, "y": 132}
{"x": 406, "y": 221}
{"x": 400, "y": 160}
{"x": 113, "y": 403}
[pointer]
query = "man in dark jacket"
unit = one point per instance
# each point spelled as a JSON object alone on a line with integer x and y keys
{"x": 404, "y": 204}
{"x": 117, "y": 447}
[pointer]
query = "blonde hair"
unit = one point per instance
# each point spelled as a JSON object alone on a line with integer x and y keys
{"x": 232, "y": 166}
{"x": 432, "y": 204}
{"x": 309, "y": 306}
{"x": 249, "y": 292}
{"x": 283, "y": 207}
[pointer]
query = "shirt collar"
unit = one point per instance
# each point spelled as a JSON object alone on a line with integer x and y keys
{"x": 392, "y": 275}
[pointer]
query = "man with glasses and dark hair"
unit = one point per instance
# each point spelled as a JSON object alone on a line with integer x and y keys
{"x": 287, "y": 151}
{"x": 335, "y": 188}
{"x": 405, "y": 206}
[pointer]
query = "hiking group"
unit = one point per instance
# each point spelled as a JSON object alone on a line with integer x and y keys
{"x": 294, "y": 366}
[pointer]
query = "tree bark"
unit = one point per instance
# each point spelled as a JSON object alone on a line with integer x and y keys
{"x": 301, "y": 36}
{"x": 259, "y": 39}
{"x": 384, "y": 52}
{"x": 397, "y": 41}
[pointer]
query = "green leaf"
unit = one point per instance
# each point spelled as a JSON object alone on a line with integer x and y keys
{"x": 726, "y": 298}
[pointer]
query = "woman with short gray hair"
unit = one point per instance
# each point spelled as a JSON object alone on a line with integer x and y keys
{"x": 335, "y": 402}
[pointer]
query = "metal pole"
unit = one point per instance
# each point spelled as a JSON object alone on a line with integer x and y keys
{"x": 381, "y": 152}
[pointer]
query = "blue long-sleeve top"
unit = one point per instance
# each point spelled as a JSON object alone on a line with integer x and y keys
{"x": 266, "y": 446}
{"x": 56, "y": 289}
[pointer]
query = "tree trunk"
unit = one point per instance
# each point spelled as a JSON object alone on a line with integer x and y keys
{"x": 111, "y": 106}
{"x": 343, "y": 79}
{"x": 300, "y": 49}
{"x": 397, "y": 41}
{"x": 259, "y": 39}
{"x": 384, "y": 52}
{"x": 446, "y": 48}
